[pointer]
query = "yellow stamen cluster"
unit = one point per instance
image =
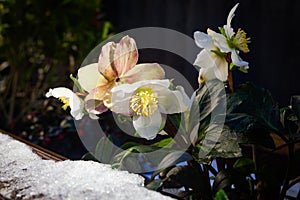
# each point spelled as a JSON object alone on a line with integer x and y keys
{"x": 241, "y": 41}
{"x": 144, "y": 102}
{"x": 65, "y": 101}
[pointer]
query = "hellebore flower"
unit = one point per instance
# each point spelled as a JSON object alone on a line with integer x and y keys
{"x": 69, "y": 99}
{"x": 117, "y": 65}
{"x": 230, "y": 42}
{"x": 210, "y": 60}
{"x": 146, "y": 101}
{"x": 220, "y": 50}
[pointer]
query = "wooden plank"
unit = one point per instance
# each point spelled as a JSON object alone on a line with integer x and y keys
{"x": 40, "y": 151}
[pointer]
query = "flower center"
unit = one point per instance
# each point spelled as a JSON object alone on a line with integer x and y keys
{"x": 241, "y": 41}
{"x": 65, "y": 101}
{"x": 144, "y": 102}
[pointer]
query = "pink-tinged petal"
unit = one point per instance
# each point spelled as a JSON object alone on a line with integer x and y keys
{"x": 146, "y": 71}
{"x": 105, "y": 63}
{"x": 125, "y": 55}
{"x": 95, "y": 107}
{"x": 99, "y": 92}
{"x": 89, "y": 77}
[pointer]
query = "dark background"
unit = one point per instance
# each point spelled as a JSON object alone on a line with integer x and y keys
{"x": 271, "y": 24}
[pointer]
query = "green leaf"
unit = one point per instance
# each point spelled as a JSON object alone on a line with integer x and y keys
{"x": 221, "y": 195}
{"x": 155, "y": 185}
{"x": 244, "y": 165}
{"x": 104, "y": 150}
{"x": 219, "y": 53}
{"x": 185, "y": 176}
{"x": 174, "y": 158}
{"x": 222, "y": 31}
{"x": 89, "y": 156}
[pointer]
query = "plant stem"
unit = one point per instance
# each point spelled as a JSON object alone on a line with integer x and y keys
{"x": 289, "y": 171}
{"x": 230, "y": 81}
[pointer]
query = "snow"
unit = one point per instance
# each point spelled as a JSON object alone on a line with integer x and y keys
{"x": 24, "y": 175}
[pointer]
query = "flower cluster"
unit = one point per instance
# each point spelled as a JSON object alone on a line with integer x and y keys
{"x": 118, "y": 83}
{"x": 140, "y": 91}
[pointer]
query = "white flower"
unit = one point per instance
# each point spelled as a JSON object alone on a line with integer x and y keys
{"x": 146, "y": 101}
{"x": 219, "y": 50}
{"x": 69, "y": 99}
{"x": 208, "y": 60}
{"x": 231, "y": 42}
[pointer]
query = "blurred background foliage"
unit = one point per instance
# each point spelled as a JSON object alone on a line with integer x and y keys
{"x": 41, "y": 44}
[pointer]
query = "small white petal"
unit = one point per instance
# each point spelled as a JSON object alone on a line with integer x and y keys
{"x": 76, "y": 104}
{"x": 148, "y": 127}
{"x": 231, "y": 14}
{"x": 237, "y": 61}
{"x": 203, "y": 40}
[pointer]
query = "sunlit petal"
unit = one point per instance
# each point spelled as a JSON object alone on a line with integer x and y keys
{"x": 125, "y": 55}
{"x": 146, "y": 71}
{"x": 171, "y": 101}
{"x": 105, "y": 62}
{"x": 89, "y": 77}
{"x": 70, "y": 98}
{"x": 148, "y": 127}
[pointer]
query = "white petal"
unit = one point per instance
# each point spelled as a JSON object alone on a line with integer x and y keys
{"x": 89, "y": 77}
{"x": 228, "y": 30}
{"x": 203, "y": 40}
{"x": 171, "y": 101}
{"x": 120, "y": 102}
{"x": 221, "y": 69}
{"x": 76, "y": 104}
{"x": 231, "y": 14}
{"x": 148, "y": 127}
{"x": 130, "y": 88}
{"x": 60, "y": 92}
{"x": 236, "y": 60}
{"x": 205, "y": 59}
{"x": 206, "y": 74}
{"x": 219, "y": 40}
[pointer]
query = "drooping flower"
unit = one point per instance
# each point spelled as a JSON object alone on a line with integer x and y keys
{"x": 147, "y": 101}
{"x": 69, "y": 99}
{"x": 117, "y": 65}
{"x": 220, "y": 50}
{"x": 230, "y": 42}
{"x": 211, "y": 61}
